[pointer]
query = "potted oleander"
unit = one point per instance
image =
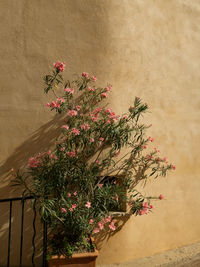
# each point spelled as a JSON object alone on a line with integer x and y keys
{"x": 93, "y": 169}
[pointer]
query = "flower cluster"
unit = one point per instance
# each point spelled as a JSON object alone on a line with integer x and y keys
{"x": 103, "y": 222}
{"x": 145, "y": 208}
{"x": 60, "y": 66}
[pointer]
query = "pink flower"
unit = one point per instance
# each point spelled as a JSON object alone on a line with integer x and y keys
{"x": 101, "y": 226}
{"x": 33, "y": 162}
{"x": 91, "y": 221}
{"x": 47, "y": 105}
{"x": 112, "y": 226}
{"x": 53, "y": 156}
{"x": 87, "y": 126}
{"x": 72, "y": 113}
{"x": 108, "y": 219}
{"x": 108, "y": 110}
{"x": 71, "y": 154}
{"x": 57, "y": 64}
{"x": 94, "y": 78}
{"x": 75, "y": 193}
{"x": 70, "y": 209}
{"x": 90, "y": 89}
{"x": 150, "y": 125}
{"x": 108, "y": 122}
{"x": 94, "y": 117}
{"x": 54, "y": 104}
{"x": 150, "y": 139}
{"x": 144, "y": 146}
{"x": 75, "y": 131}
{"x": 69, "y": 195}
{"x": 69, "y": 90}
{"x": 11, "y": 170}
{"x": 161, "y": 197}
{"x": 151, "y": 207}
{"x": 125, "y": 117}
{"x": 112, "y": 114}
{"x": 78, "y": 108}
{"x": 141, "y": 212}
{"x": 100, "y": 185}
{"x": 61, "y": 100}
{"x": 145, "y": 210}
{"x": 83, "y": 127}
{"x": 145, "y": 204}
{"x": 73, "y": 206}
{"x": 92, "y": 140}
{"x": 105, "y": 220}
{"x": 101, "y": 139}
{"x": 97, "y": 110}
{"x": 114, "y": 117}
{"x": 85, "y": 74}
{"x": 108, "y": 88}
{"x": 98, "y": 162}
{"x": 104, "y": 95}
{"x": 66, "y": 127}
{"x": 60, "y": 66}
{"x": 63, "y": 210}
{"x": 49, "y": 152}
{"x": 96, "y": 230}
{"x": 173, "y": 167}
{"x": 115, "y": 182}
{"x": 164, "y": 159}
{"x": 149, "y": 157}
{"x": 88, "y": 204}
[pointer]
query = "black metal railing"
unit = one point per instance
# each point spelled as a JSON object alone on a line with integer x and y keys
{"x": 10, "y": 201}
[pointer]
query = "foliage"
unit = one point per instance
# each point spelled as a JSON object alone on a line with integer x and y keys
{"x": 95, "y": 166}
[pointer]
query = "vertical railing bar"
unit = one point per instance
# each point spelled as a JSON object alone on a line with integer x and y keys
{"x": 44, "y": 243}
{"x": 34, "y": 232}
{"x": 9, "y": 234}
{"x": 22, "y": 229}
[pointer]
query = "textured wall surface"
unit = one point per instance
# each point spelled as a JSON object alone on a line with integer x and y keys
{"x": 143, "y": 48}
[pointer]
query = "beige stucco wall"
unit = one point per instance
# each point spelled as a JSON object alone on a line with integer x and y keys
{"x": 143, "y": 48}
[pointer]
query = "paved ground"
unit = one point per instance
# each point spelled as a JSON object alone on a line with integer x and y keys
{"x": 188, "y": 256}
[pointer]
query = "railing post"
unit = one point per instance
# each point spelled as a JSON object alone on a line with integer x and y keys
{"x": 22, "y": 229}
{"x": 44, "y": 244}
{"x": 9, "y": 234}
{"x": 34, "y": 232}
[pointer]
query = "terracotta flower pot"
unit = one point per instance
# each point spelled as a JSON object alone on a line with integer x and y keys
{"x": 87, "y": 259}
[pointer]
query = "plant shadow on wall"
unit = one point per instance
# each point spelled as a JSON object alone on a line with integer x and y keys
{"x": 94, "y": 167}
{"x": 39, "y": 141}
{"x": 120, "y": 221}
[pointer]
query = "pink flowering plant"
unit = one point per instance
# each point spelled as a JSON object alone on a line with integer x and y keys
{"x": 95, "y": 166}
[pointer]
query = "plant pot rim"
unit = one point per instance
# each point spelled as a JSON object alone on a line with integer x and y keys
{"x": 95, "y": 253}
